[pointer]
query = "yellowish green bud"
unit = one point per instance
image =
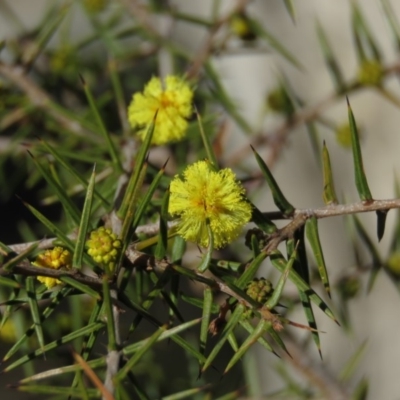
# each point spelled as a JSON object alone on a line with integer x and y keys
{"x": 279, "y": 102}
{"x": 63, "y": 61}
{"x": 104, "y": 247}
{"x": 343, "y": 135}
{"x": 370, "y": 73}
{"x": 349, "y": 286}
{"x": 259, "y": 290}
{"x": 95, "y": 6}
{"x": 393, "y": 264}
{"x": 241, "y": 27}
{"x": 8, "y": 333}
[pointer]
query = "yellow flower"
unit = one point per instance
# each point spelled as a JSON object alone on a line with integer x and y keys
{"x": 173, "y": 101}
{"x": 55, "y": 258}
{"x": 104, "y": 247}
{"x": 204, "y": 194}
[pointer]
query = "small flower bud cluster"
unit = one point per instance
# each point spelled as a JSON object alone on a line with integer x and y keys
{"x": 393, "y": 263}
{"x": 279, "y": 101}
{"x": 343, "y": 135}
{"x": 63, "y": 62}
{"x": 259, "y": 290}
{"x": 348, "y": 287}
{"x": 55, "y": 258}
{"x": 104, "y": 247}
{"x": 260, "y": 236}
{"x": 240, "y": 26}
{"x": 95, "y": 6}
{"x": 8, "y": 332}
{"x": 370, "y": 73}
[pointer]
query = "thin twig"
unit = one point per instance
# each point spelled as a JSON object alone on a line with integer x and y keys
{"x": 113, "y": 356}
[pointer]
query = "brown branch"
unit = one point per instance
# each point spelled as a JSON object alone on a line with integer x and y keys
{"x": 300, "y": 217}
{"x": 140, "y": 259}
{"x": 113, "y": 356}
{"x": 145, "y": 261}
{"x": 335, "y": 210}
{"x": 27, "y": 269}
{"x": 148, "y": 229}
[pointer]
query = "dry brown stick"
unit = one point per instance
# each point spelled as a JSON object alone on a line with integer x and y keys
{"x": 300, "y": 217}
{"x": 26, "y": 269}
{"x": 334, "y": 210}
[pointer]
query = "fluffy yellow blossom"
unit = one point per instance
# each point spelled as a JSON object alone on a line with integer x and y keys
{"x": 104, "y": 247}
{"x": 204, "y": 194}
{"x": 55, "y": 258}
{"x": 172, "y": 100}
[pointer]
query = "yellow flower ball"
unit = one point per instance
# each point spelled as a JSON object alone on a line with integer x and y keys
{"x": 55, "y": 258}
{"x": 104, "y": 247}
{"x": 172, "y": 100}
{"x": 202, "y": 195}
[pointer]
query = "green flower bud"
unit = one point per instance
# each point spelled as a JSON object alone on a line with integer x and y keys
{"x": 104, "y": 247}
{"x": 8, "y": 332}
{"x": 279, "y": 101}
{"x": 348, "y": 287}
{"x": 95, "y": 6}
{"x": 260, "y": 237}
{"x": 393, "y": 264}
{"x": 259, "y": 290}
{"x": 240, "y": 25}
{"x": 343, "y": 135}
{"x": 63, "y": 62}
{"x": 370, "y": 73}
